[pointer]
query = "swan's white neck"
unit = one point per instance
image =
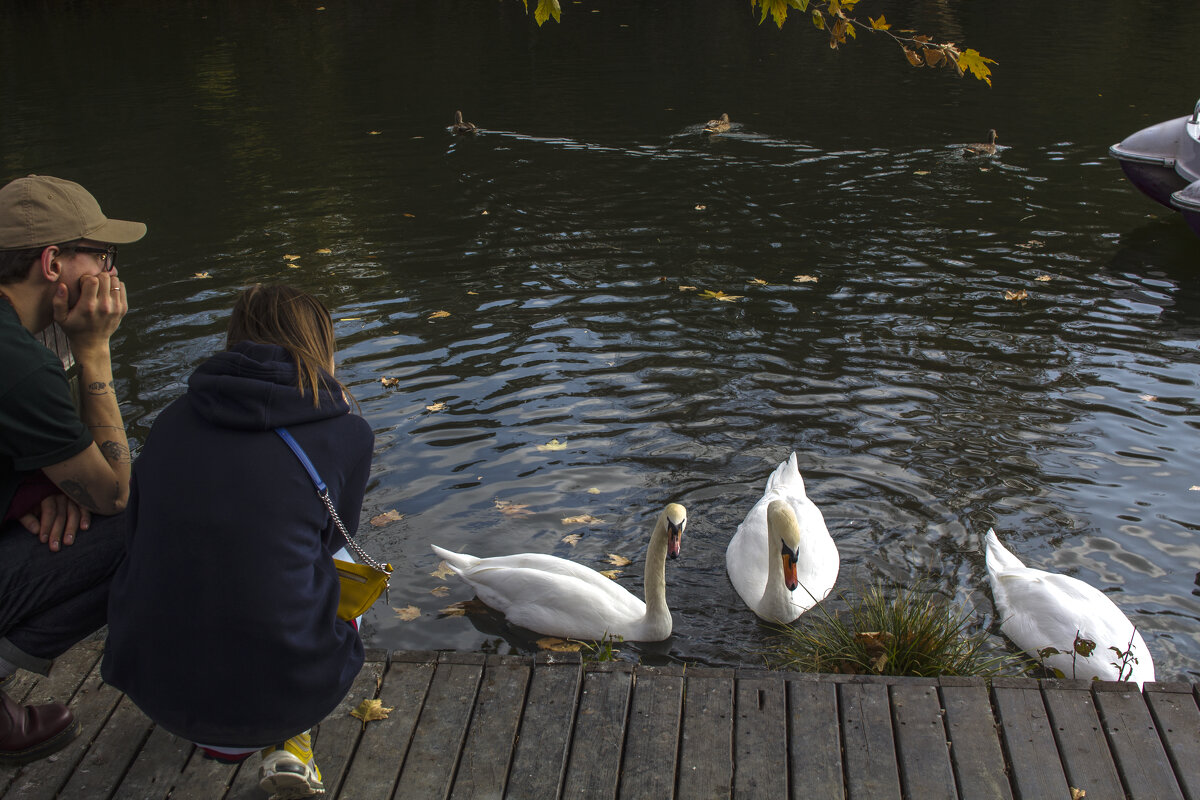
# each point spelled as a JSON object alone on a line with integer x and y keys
{"x": 655, "y": 580}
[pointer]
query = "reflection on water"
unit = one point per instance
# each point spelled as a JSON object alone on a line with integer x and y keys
{"x": 570, "y": 244}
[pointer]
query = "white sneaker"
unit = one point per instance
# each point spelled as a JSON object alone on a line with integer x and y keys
{"x": 289, "y": 771}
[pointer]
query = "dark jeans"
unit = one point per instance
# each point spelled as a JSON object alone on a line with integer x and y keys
{"x": 49, "y": 601}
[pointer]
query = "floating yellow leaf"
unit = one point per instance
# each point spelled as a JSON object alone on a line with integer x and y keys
{"x": 202, "y": 275}
{"x": 1195, "y": 488}
{"x": 436, "y": 407}
{"x": 439, "y": 314}
{"x": 685, "y": 288}
{"x": 348, "y": 319}
{"x": 620, "y": 561}
{"x": 472, "y": 291}
{"x": 593, "y": 490}
{"x": 1043, "y": 278}
{"x": 374, "y": 133}
{"x": 454, "y": 610}
{"x": 553, "y": 643}
{"x": 1149, "y": 398}
{"x": 370, "y": 711}
{"x": 440, "y": 591}
{"x": 442, "y": 572}
{"x": 611, "y": 574}
{"x": 1018, "y": 295}
{"x": 483, "y": 213}
{"x": 572, "y": 538}
{"x": 389, "y": 381}
{"x": 804, "y": 279}
{"x": 324, "y": 251}
{"x": 700, "y": 206}
{"x": 408, "y": 613}
{"x": 553, "y": 444}
{"x": 290, "y": 257}
{"x": 511, "y": 509}
{"x": 758, "y": 282}
{"x": 388, "y": 516}
{"x": 582, "y": 519}
{"x": 921, "y": 172}
{"x": 719, "y": 295}
{"x": 410, "y": 216}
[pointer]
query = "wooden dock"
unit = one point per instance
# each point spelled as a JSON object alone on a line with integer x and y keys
{"x": 466, "y": 725}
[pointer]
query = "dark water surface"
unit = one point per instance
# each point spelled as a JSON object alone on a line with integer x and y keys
{"x": 924, "y": 406}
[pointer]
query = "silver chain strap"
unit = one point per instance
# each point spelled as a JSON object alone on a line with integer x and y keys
{"x": 353, "y": 545}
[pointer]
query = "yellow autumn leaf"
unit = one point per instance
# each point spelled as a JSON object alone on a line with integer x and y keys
{"x": 921, "y": 172}
{"x": 201, "y": 275}
{"x": 454, "y": 610}
{"x": 880, "y": 24}
{"x": 758, "y": 282}
{"x": 440, "y": 591}
{"x": 977, "y": 64}
{"x": 582, "y": 519}
{"x": 439, "y": 314}
{"x": 720, "y": 295}
{"x": 1043, "y": 278}
{"x": 593, "y": 490}
{"x": 1020, "y": 294}
{"x": 349, "y": 319}
{"x": 553, "y": 444}
{"x": 511, "y": 509}
{"x": 408, "y": 613}
{"x": 611, "y": 574}
{"x": 324, "y": 251}
{"x": 1195, "y": 488}
{"x": 554, "y": 644}
{"x": 379, "y": 520}
{"x": 290, "y": 257}
{"x": 545, "y": 10}
{"x": 804, "y": 279}
{"x": 684, "y": 288}
{"x": 472, "y": 291}
{"x": 389, "y": 381}
{"x": 436, "y": 407}
{"x": 1149, "y": 398}
{"x": 620, "y": 561}
{"x": 700, "y": 206}
{"x": 572, "y": 538}
{"x": 374, "y": 133}
{"x": 442, "y": 572}
{"x": 371, "y": 710}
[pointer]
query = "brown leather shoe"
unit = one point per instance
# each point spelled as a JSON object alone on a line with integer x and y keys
{"x": 28, "y": 733}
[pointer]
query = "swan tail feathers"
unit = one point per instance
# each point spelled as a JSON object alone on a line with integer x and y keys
{"x": 457, "y": 561}
{"x": 998, "y": 558}
{"x": 786, "y": 477}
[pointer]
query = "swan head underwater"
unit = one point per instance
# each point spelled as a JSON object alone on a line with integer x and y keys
{"x": 781, "y": 520}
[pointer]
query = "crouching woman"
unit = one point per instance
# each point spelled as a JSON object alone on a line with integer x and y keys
{"x": 223, "y": 624}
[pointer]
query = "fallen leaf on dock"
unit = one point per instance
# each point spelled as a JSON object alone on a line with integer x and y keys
{"x": 370, "y": 711}
{"x": 553, "y": 643}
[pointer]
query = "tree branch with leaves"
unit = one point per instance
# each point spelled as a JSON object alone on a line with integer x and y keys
{"x": 836, "y": 18}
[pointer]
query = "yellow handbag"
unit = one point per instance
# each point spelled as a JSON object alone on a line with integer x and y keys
{"x": 361, "y": 583}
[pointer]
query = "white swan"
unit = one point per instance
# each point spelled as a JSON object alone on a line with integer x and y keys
{"x": 557, "y": 597}
{"x": 1041, "y": 609}
{"x": 782, "y": 560}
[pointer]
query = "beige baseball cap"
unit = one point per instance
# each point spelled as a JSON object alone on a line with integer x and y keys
{"x": 39, "y": 211}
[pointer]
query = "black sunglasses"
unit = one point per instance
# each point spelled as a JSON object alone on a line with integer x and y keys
{"x": 106, "y": 255}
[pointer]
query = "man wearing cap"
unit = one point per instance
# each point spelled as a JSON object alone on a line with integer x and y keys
{"x": 59, "y": 464}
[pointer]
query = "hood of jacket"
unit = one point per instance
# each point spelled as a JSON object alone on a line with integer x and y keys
{"x": 252, "y": 386}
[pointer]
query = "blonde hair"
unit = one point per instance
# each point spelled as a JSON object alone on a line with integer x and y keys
{"x": 295, "y": 321}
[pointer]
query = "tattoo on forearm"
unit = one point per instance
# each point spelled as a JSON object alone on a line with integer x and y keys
{"x": 78, "y": 492}
{"x": 99, "y": 387}
{"x": 115, "y": 451}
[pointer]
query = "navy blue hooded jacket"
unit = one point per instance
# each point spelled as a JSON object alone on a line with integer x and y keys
{"x": 223, "y": 621}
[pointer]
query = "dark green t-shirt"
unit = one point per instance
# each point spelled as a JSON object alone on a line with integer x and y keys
{"x": 39, "y": 425}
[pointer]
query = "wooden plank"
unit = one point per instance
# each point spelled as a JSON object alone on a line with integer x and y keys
{"x": 922, "y": 745}
{"x": 205, "y": 778}
{"x": 706, "y": 743}
{"x": 1029, "y": 740}
{"x": 491, "y": 737}
{"x": 442, "y": 727}
{"x": 540, "y": 757}
{"x": 870, "y": 750}
{"x": 1177, "y": 718}
{"x": 594, "y": 763}
{"x": 113, "y": 750}
{"x": 1082, "y": 747}
{"x": 92, "y": 705}
{"x": 975, "y": 750}
{"x": 815, "y": 749}
{"x": 156, "y": 767}
{"x": 1133, "y": 739}
{"x": 760, "y": 766}
{"x": 652, "y": 734}
{"x": 384, "y": 743}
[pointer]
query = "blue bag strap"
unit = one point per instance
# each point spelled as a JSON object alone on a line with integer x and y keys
{"x": 286, "y": 435}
